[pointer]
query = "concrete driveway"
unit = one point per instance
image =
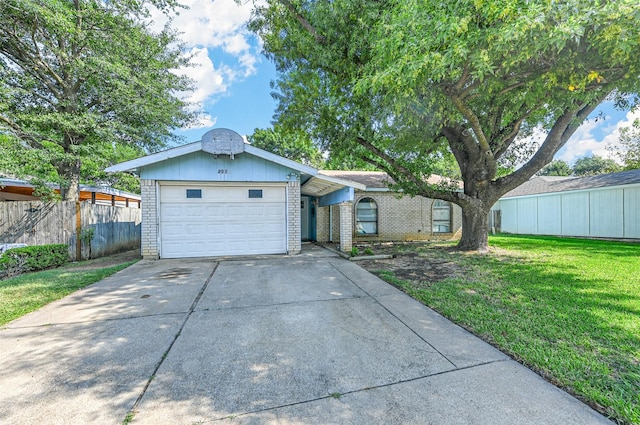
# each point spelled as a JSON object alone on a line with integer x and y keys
{"x": 312, "y": 339}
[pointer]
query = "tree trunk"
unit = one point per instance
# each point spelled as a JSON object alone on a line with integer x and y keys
{"x": 72, "y": 193}
{"x": 70, "y": 171}
{"x": 475, "y": 228}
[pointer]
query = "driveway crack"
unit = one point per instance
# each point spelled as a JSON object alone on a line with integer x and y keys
{"x": 395, "y": 316}
{"x": 131, "y": 413}
{"x": 338, "y": 395}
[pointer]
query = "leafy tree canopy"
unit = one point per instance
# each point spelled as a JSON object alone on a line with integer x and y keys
{"x": 586, "y": 166}
{"x": 399, "y": 82}
{"x": 296, "y": 146}
{"x": 557, "y": 167}
{"x": 593, "y": 165}
{"x": 84, "y": 83}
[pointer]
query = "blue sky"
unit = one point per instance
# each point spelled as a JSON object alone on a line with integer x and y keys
{"x": 232, "y": 79}
{"x": 231, "y": 75}
{"x": 244, "y": 106}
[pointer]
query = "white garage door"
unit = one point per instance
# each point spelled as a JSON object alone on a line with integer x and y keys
{"x": 203, "y": 221}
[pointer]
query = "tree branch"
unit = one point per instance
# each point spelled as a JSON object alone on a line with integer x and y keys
{"x": 33, "y": 140}
{"x": 406, "y": 173}
{"x": 399, "y": 173}
{"x": 509, "y": 138}
{"x": 456, "y": 134}
{"x": 40, "y": 63}
{"x": 304, "y": 22}
{"x": 19, "y": 53}
{"x": 463, "y": 78}
{"x": 424, "y": 190}
{"x": 564, "y": 127}
{"x": 474, "y": 122}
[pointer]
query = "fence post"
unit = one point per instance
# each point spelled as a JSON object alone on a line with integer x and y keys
{"x": 78, "y": 232}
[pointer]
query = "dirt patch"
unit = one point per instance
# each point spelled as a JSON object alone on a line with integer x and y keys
{"x": 103, "y": 262}
{"x": 414, "y": 263}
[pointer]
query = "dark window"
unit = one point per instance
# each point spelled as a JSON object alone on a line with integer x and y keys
{"x": 441, "y": 216}
{"x": 194, "y": 193}
{"x": 255, "y": 193}
{"x": 367, "y": 217}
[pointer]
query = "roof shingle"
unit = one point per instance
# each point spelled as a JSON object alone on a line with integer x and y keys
{"x": 371, "y": 179}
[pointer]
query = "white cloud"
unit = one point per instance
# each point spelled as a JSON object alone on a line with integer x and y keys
{"x": 218, "y": 25}
{"x": 207, "y": 22}
{"x": 209, "y": 80}
{"x": 236, "y": 44}
{"x": 248, "y": 62}
{"x": 582, "y": 142}
{"x": 585, "y": 142}
{"x": 204, "y": 121}
{"x": 613, "y": 138}
{"x": 214, "y": 29}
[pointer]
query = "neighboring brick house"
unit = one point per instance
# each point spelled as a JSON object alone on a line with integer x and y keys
{"x": 380, "y": 214}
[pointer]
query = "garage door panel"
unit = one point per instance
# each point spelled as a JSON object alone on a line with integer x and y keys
{"x": 222, "y": 194}
{"x": 271, "y": 212}
{"x": 225, "y": 221}
{"x": 237, "y": 211}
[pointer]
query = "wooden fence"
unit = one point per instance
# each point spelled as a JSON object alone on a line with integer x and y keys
{"x": 115, "y": 229}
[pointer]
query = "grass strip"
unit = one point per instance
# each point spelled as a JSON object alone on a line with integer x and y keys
{"x": 25, "y": 293}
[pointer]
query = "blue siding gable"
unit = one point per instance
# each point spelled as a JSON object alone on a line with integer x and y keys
{"x": 203, "y": 166}
{"x": 341, "y": 195}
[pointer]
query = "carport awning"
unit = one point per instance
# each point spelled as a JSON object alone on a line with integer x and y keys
{"x": 321, "y": 185}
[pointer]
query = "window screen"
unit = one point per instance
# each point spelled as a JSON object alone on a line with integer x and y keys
{"x": 367, "y": 217}
{"x": 441, "y": 217}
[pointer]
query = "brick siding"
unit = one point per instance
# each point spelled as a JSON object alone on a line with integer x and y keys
{"x": 322, "y": 224}
{"x": 346, "y": 226}
{"x": 399, "y": 219}
{"x": 149, "y": 220}
{"x": 294, "y": 244}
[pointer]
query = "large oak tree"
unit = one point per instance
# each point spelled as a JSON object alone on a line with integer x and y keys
{"x": 401, "y": 82}
{"x": 86, "y": 81}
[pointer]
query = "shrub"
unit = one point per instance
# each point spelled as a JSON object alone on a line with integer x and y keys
{"x": 355, "y": 251}
{"x": 30, "y": 258}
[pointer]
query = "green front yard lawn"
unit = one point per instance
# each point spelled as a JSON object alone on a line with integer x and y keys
{"x": 567, "y": 308}
{"x": 28, "y": 292}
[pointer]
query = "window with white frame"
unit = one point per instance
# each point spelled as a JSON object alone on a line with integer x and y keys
{"x": 366, "y": 217}
{"x": 441, "y": 216}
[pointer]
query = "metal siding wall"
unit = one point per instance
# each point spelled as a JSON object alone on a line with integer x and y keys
{"x": 202, "y": 166}
{"x": 550, "y": 215}
{"x": 575, "y": 214}
{"x": 607, "y": 215}
{"x": 632, "y": 212}
{"x": 528, "y": 216}
{"x": 509, "y": 209}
